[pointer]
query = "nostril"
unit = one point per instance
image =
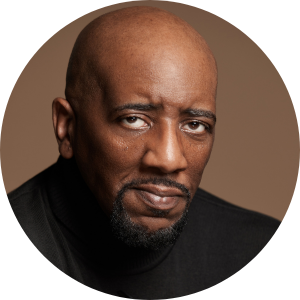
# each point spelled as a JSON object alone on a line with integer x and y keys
{"x": 164, "y": 163}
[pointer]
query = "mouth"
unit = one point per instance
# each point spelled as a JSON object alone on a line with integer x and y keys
{"x": 159, "y": 197}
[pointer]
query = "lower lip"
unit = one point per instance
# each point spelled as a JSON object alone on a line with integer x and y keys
{"x": 157, "y": 202}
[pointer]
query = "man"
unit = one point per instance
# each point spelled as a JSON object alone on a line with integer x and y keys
{"x": 121, "y": 210}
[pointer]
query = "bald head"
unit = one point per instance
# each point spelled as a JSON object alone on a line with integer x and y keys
{"x": 137, "y": 37}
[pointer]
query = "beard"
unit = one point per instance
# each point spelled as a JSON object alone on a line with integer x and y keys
{"x": 136, "y": 235}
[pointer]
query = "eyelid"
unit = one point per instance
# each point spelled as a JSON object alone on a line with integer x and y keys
{"x": 143, "y": 117}
{"x": 206, "y": 126}
{"x": 138, "y": 116}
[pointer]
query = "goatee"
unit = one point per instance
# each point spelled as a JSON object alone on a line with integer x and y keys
{"x": 136, "y": 235}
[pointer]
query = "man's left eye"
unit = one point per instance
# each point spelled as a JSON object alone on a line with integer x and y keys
{"x": 194, "y": 126}
{"x": 134, "y": 122}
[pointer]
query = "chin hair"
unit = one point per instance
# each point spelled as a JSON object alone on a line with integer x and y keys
{"x": 136, "y": 235}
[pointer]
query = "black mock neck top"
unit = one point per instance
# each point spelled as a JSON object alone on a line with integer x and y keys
{"x": 62, "y": 218}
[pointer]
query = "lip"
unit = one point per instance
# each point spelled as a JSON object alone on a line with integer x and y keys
{"x": 159, "y": 197}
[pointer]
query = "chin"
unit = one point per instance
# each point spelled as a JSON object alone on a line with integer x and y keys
{"x": 152, "y": 226}
{"x": 142, "y": 236}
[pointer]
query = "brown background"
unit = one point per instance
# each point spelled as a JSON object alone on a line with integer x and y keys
{"x": 255, "y": 159}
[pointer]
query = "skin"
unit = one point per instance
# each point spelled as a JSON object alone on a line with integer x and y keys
{"x": 141, "y": 88}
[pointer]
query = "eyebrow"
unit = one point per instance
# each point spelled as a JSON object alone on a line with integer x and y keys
{"x": 201, "y": 113}
{"x": 137, "y": 106}
{"x": 146, "y": 107}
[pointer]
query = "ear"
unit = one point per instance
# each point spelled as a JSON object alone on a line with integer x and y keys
{"x": 63, "y": 122}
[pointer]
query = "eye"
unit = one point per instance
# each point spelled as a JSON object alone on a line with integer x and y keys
{"x": 134, "y": 122}
{"x": 195, "y": 127}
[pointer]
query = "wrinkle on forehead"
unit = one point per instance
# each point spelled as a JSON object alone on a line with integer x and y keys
{"x": 140, "y": 38}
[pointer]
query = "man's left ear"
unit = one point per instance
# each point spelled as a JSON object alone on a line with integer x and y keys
{"x": 63, "y": 122}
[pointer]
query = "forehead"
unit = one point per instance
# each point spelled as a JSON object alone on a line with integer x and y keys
{"x": 167, "y": 75}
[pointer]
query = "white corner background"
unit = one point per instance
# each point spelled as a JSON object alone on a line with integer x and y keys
{"x": 27, "y": 25}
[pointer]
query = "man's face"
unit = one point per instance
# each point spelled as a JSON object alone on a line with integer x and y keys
{"x": 147, "y": 133}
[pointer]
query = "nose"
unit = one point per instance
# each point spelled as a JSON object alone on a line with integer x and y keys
{"x": 165, "y": 151}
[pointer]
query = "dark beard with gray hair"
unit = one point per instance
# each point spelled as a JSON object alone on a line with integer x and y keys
{"x": 136, "y": 235}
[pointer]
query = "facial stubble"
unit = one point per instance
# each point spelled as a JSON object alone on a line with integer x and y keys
{"x": 136, "y": 235}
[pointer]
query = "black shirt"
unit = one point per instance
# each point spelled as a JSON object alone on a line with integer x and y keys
{"x": 64, "y": 221}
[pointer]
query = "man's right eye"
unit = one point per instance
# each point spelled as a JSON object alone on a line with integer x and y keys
{"x": 134, "y": 122}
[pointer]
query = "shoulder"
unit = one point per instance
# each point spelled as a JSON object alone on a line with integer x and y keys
{"x": 221, "y": 238}
{"x": 236, "y": 224}
{"x": 30, "y": 199}
{"x": 31, "y": 186}
{"x": 30, "y": 202}
{"x": 220, "y": 206}
{"x": 32, "y": 210}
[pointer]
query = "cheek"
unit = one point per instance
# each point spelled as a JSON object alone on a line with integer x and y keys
{"x": 197, "y": 155}
{"x": 107, "y": 159}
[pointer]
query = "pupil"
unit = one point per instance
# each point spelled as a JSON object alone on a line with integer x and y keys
{"x": 131, "y": 119}
{"x": 194, "y": 125}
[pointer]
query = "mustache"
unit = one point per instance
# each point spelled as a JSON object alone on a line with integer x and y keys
{"x": 155, "y": 181}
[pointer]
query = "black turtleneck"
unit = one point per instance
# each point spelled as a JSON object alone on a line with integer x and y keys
{"x": 64, "y": 221}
